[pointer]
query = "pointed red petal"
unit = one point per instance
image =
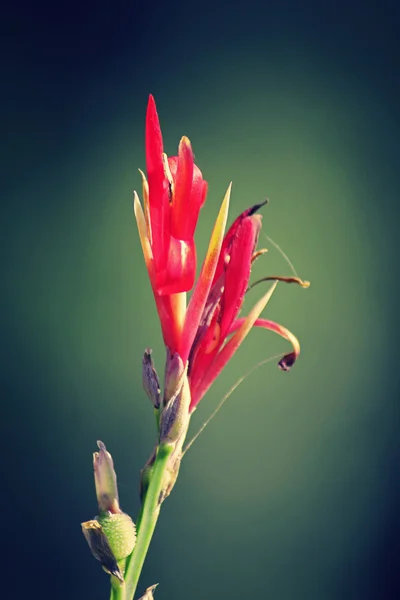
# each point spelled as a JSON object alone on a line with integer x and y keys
{"x": 165, "y": 310}
{"x": 181, "y": 205}
{"x": 158, "y": 186}
{"x": 203, "y": 285}
{"x": 238, "y": 269}
{"x": 230, "y": 236}
{"x": 154, "y": 141}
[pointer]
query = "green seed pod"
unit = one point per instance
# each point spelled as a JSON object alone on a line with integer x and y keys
{"x": 120, "y": 531}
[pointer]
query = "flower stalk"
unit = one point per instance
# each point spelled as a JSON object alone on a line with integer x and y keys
{"x": 201, "y": 336}
{"x": 159, "y": 479}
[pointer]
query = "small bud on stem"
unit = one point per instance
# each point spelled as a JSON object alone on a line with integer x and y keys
{"x": 149, "y": 593}
{"x": 151, "y": 382}
{"x": 175, "y": 416}
{"x": 105, "y": 480}
{"x": 172, "y": 470}
{"x": 173, "y": 379}
{"x": 112, "y": 535}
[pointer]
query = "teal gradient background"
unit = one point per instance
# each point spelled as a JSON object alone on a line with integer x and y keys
{"x": 291, "y": 493}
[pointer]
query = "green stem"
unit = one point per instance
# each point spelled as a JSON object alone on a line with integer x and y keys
{"x": 117, "y": 593}
{"x": 118, "y": 590}
{"x": 148, "y": 521}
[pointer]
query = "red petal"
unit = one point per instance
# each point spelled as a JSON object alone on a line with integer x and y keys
{"x": 237, "y": 273}
{"x": 167, "y": 320}
{"x": 201, "y": 291}
{"x": 181, "y": 203}
{"x": 197, "y": 199}
{"x": 180, "y": 268}
{"x": 158, "y": 186}
{"x": 230, "y": 236}
{"x": 288, "y": 360}
{"x": 225, "y": 354}
{"x": 204, "y": 354}
{"x": 154, "y": 141}
{"x": 204, "y": 192}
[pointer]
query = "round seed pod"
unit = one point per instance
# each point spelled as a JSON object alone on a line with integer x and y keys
{"x": 120, "y": 531}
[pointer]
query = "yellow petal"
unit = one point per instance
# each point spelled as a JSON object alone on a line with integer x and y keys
{"x": 144, "y": 238}
{"x": 145, "y": 187}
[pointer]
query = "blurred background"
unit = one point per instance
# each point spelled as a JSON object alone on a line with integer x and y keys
{"x": 291, "y": 492}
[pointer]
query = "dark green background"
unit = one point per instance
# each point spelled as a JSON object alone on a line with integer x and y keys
{"x": 292, "y": 491}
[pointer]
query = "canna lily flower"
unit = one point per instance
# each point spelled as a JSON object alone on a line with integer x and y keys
{"x": 206, "y": 333}
{"x": 172, "y": 197}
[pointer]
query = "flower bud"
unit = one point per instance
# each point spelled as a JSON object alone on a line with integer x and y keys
{"x": 105, "y": 480}
{"x": 151, "y": 382}
{"x": 149, "y": 593}
{"x": 112, "y": 535}
{"x": 172, "y": 471}
{"x": 175, "y": 416}
{"x": 174, "y": 373}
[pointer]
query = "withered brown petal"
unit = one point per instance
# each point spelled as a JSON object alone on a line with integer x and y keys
{"x": 100, "y": 548}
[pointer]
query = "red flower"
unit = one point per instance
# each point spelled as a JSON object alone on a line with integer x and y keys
{"x": 176, "y": 192}
{"x": 208, "y": 332}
